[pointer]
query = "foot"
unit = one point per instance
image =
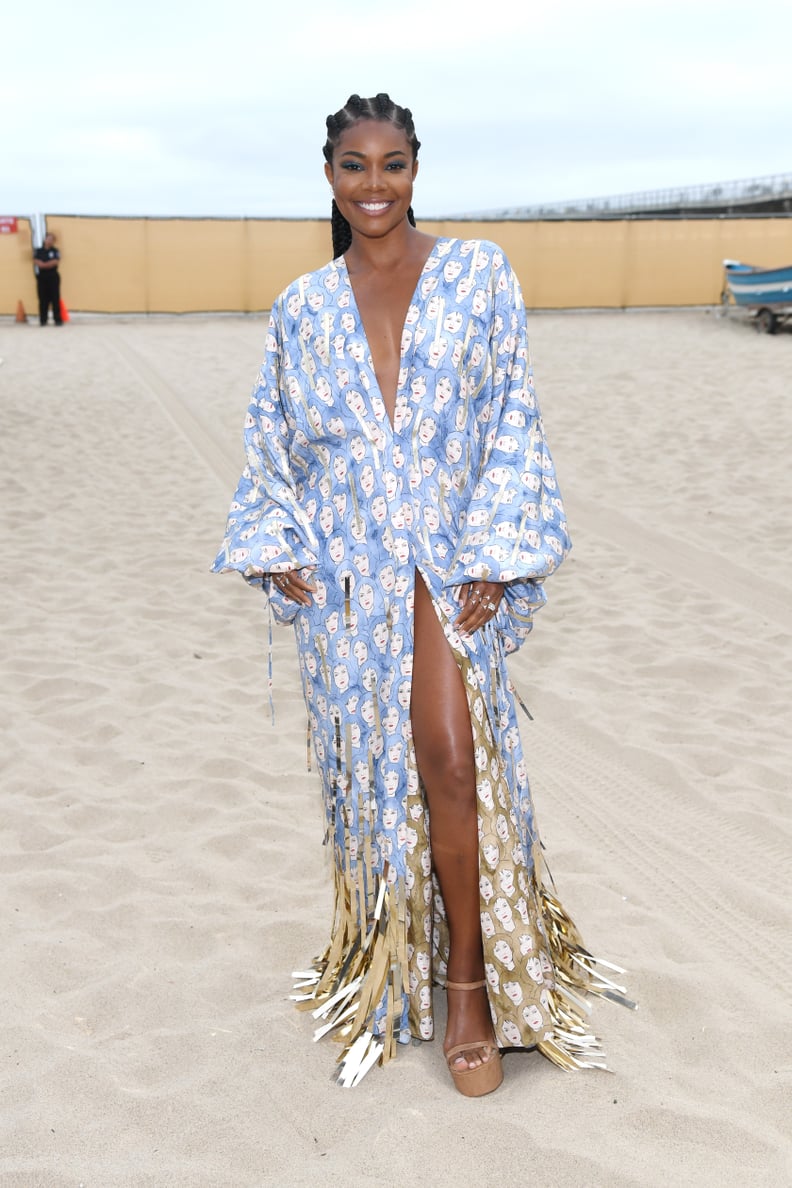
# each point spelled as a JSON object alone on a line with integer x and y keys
{"x": 469, "y": 1018}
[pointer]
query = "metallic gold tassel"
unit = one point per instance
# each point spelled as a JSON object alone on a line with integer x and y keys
{"x": 575, "y": 969}
{"x": 520, "y": 701}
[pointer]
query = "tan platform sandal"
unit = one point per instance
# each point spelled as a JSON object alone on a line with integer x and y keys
{"x": 475, "y": 1082}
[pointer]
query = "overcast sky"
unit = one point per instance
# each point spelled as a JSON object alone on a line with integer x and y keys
{"x": 136, "y": 107}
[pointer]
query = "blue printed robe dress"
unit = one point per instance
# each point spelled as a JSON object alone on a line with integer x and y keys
{"x": 461, "y": 487}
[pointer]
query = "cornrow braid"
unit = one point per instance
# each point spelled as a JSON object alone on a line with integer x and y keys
{"x": 342, "y": 232}
{"x": 382, "y": 108}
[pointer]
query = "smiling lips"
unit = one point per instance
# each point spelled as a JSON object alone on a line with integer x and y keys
{"x": 373, "y": 207}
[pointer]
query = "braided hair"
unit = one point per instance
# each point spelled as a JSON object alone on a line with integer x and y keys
{"x": 382, "y": 108}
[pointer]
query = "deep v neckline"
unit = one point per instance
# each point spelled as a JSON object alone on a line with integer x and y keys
{"x": 369, "y": 355}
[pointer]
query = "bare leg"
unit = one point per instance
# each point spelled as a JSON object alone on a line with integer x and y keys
{"x": 444, "y": 752}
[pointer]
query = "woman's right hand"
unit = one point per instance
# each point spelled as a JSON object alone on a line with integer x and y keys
{"x": 293, "y": 587}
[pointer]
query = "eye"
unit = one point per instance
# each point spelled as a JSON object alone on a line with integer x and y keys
{"x": 397, "y": 165}
{"x": 352, "y": 166}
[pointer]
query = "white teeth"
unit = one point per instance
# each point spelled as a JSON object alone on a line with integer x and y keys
{"x": 374, "y": 205}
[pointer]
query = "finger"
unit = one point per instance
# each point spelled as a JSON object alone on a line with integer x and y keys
{"x": 470, "y": 605}
{"x": 471, "y": 618}
{"x": 478, "y": 610}
{"x": 298, "y": 584}
{"x": 292, "y": 578}
{"x": 472, "y": 626}
{"x": 472, "y": 595}
{"x": 300, "y": 591}
{"x": 293, "y": 588}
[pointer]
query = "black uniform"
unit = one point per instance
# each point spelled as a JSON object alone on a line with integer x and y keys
{"x": 48, "y": 284}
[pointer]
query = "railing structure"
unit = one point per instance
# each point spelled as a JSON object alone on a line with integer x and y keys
{"x": 770, "y": 195}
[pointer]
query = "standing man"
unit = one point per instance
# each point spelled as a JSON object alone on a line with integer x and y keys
{"x": 46, "y": 260}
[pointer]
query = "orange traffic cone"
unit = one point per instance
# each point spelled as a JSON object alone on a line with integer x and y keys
{"x": 21, "y": 316}
{"x": 63, "y": 311}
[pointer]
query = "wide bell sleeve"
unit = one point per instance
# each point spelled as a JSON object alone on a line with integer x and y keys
{"x": 515, "y": 528}
{"x": 268, "y": 530}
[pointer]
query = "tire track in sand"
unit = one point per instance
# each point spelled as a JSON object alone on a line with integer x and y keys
{"x": 693, "y": 859}
{"x": 224, "y": 464}
{"x": 678, "y": 559}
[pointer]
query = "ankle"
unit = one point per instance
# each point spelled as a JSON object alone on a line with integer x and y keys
{"x": 466, "y": 972}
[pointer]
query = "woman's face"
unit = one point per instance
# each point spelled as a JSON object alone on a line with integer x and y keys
{"x": 372, "y": 176}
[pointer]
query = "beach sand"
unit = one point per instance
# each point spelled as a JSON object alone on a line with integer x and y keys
{"x": 161, "y": 863}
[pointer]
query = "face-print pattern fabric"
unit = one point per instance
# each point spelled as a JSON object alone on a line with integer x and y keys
{"x": 460, "y": 487}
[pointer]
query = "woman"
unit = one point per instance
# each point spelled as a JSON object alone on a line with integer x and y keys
{"x": 400, "y": 507}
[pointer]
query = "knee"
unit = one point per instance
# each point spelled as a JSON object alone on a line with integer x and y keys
{"x": 451, "y": 772}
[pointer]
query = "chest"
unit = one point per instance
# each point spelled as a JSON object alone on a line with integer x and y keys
{"x": 383, "y": 303}
{"x": 425, "y": 338}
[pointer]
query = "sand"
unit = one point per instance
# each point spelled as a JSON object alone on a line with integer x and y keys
{"x": 160, "y": 859}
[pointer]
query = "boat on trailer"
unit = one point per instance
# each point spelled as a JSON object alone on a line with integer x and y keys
{"x": 767, "y": 292}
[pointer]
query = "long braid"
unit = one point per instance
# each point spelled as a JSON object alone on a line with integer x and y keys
{"x": 382, "y": 108}
{"x": 342, "y": 232}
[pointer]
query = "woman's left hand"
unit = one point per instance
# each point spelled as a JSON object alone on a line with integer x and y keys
{"x": 480, "y": 602}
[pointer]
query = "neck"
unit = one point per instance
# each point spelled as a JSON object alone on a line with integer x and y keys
{"x": 384, "y": 251}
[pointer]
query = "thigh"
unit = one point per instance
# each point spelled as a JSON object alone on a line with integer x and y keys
{"x": 439, "y": 707}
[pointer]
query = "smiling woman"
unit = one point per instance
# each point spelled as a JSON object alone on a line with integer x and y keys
{"x": 400, "y": 508}
{"x": 392, "y": 122}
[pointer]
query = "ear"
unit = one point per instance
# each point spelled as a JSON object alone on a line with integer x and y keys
{"x": 329, "y": 172}
{"x": 415, "y": 169}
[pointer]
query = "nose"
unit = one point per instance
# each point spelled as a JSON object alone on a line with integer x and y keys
{"x": 376, "y": 179}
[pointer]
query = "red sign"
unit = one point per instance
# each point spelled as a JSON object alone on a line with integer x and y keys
{"x": 8, "y": 225}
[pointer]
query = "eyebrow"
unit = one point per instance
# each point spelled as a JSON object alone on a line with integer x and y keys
{"x": 352, "y": 153}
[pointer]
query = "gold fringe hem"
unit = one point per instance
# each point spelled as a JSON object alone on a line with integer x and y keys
{"x": 344, "y": 987}
{"x": 576, "y": 971}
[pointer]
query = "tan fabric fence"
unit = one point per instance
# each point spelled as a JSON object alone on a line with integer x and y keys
{"x": 17, "y": 280}
{"x": 136, "y": 265}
